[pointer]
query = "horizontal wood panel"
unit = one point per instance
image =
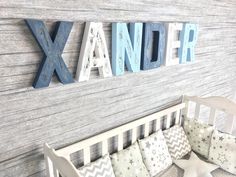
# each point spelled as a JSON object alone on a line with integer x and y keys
{"x": 61, "y": 115}
{"x": 108, "y": 11}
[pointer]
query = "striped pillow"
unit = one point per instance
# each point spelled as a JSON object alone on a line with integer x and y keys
{"x": 99, "y": 168}
{"x": 177, "y": 142}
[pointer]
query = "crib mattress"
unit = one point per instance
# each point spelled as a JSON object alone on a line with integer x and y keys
{"x": 175, "y": 171}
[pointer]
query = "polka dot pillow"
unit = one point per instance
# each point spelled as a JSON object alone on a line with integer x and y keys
{"x": 199, "y": 136}
{"x": 129, "y": 163}
{"x": 155, "y": 153}
{"x": 223, "y": 151}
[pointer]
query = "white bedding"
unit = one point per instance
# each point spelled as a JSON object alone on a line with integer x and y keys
{"x": 175, "y": 171}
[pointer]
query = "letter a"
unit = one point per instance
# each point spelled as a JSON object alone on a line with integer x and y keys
{"x": 93, "y": 53}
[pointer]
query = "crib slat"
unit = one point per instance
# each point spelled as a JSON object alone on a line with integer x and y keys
{"x": 134, "y": 135}
{"x": 168, "y": 120}
{"x": 229, "y": 125}
{"x": 120, "y": 141}
{"x": 212, "y": 117}
{"x": 86, "y": 155}
{"x": 104, "y": 147}
{"x": 197, "y": 111}
{"x": 177, "y": 117}
{"x": 185, "y": 110}
{"x": 158, "y": 124}
{"x": 146, "y": 129}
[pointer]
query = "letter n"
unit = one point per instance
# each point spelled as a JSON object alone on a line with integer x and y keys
{"x": 126, "y": 47}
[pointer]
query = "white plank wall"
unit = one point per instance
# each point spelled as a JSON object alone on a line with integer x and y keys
{"x": 61, "y": 115}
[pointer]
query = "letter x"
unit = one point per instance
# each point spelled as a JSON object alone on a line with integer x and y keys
{"x": 52, "y": 49}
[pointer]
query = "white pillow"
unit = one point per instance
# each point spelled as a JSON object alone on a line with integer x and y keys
{"x": 194, "y": 167}
{"x": 129, "y": 163}
{"x": 177, "y": 142}
{"x": 99, "y": 168}
{"x": 223, "y": 151}
{"x": 155, "y": 153}
{"x": 199, "y": 136}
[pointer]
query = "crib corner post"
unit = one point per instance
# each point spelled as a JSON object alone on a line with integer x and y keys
{"x": 184, "y": 112}
{"x": 230, "y": 124}
{"x": 50, "y": 169}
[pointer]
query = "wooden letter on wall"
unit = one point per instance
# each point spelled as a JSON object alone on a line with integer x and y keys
{"x": 153, "y": 45}
{"x": 93, "y": 53}
{"x": 188, "y": 37}
{"x": 126, "y": 47}
{"x": 52, "y": 49}
{"x": 173, "y": 29}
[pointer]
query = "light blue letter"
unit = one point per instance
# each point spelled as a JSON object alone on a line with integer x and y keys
{"x": 126, "y": 47}
{"x": 188, "y": 38}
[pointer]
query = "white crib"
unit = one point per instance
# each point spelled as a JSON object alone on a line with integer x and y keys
{"x": 59, "y": 162}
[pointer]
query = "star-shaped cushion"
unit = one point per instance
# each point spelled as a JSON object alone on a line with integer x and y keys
{"x": 194, "y": 167}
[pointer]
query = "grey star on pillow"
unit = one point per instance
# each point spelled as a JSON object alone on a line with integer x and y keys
{"x": 222, "y": 158}
{"x": 148, "y": 145}
{"x": 221, "y": 138}
{"x": 162, "y": 158}
{"x": 194, "y": 167}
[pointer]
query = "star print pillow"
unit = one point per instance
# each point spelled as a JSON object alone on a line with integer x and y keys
{"x": 199, "y": 136}
{"x": 223, "y": 151}
{"x": 155, "y": 153}
{"x": 129, "y": 163}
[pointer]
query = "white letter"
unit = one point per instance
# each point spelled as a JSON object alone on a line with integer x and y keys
{"x": 172, "y": 30}
{"x": 93, "y": 53}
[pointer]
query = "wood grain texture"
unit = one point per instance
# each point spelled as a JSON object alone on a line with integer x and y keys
{"x": 61, "y": 115}
{"x": 93, "y": 53}
{"x": 154, "y": 43}
{"x": 52, "y": 47}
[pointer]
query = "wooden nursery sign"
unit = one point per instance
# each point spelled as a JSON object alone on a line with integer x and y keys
{"x": 135, "y": 46}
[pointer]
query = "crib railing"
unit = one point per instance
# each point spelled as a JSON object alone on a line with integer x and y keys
{"x": 214, "y": 104}
{"x": 59, "y": 161}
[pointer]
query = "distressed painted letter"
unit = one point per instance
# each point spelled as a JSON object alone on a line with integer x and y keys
{"x": 52, "y": 49}
{"x": 173, "y": 29}
{"x": 153, "y": 46}
{"x": 93, "y": 53}
{"x": 188, "y": 37}
{"x": 126, "y": 47}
